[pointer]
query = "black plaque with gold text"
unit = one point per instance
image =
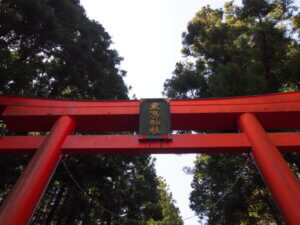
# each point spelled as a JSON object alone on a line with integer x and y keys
{"x": 154, "y": 119}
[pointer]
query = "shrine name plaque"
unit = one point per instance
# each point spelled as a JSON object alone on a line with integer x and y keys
{"x": 154, "y": 119}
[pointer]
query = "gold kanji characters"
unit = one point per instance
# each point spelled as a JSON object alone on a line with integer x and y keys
{"x": 154, "y": 121}
{"x": 154, "y": 106}
{"x": 154, "y": 114}
{"x": 154, "y": 130}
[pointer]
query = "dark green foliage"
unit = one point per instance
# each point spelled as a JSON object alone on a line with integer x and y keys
{"x": 118, "y": 188}
{"x": 170, "y": 212}
{"x": 49, "y": 48}
{"x": 236, "y": 51}
{"x": 247, "y": 201}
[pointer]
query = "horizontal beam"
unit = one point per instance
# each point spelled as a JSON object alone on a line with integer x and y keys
{"x": 275, "y": 111}
{"x": 129, "y": 144}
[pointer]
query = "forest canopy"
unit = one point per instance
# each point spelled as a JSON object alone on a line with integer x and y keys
{"x": 241, "y": 50}
{"x": 51, "y": 49}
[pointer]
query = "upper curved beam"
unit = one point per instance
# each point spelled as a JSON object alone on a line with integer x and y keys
{"x": 275, "y": 111}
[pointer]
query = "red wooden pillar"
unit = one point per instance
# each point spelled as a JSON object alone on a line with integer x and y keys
{"x": 281, "y": 181}
{"x": 21, "y": 202}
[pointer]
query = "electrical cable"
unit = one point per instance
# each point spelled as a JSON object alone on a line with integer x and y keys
{"x": 226, "y": 192}
{"x": 85, "y": 194}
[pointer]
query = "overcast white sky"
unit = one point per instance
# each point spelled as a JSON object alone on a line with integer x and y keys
{"x": 147, "y": 34}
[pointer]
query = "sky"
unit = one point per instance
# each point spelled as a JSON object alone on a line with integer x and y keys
{"x": 147, "y": 34}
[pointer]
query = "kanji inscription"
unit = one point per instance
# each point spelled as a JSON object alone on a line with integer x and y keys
{"x": 154, "y": 119}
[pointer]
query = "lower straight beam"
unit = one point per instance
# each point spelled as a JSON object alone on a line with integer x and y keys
{"x": 21, "y": 202}
{"x": 281, "y": 181}
{"x": 130, "y": 144}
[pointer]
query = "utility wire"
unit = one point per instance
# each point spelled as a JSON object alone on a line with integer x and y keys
{"x": 90, "y": 198}
{"x": 226, "y": 192}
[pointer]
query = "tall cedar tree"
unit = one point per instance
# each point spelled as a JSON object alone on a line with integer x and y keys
{"x": 170, "y": 212}
{"x": 49, "y": 48}
{"x": 237, "y": 51}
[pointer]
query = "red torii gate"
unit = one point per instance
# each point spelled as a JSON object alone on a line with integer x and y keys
{"x": 250, "y": 115}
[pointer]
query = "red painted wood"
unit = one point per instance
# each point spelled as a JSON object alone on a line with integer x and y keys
{"x": 21, "y": 202}
{"x": 274, "y": 111}
{"x": 129, "y": 144}
{"x": 281, "y": 181}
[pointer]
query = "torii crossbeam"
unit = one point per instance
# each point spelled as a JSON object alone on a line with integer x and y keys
{"x": 250, "y": 115}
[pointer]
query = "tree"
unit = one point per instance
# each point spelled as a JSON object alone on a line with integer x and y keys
{"x": 49, "y": 48}
{"x": 101, "y": 190}
{"x": 170, "y": 212}
{"x": 236, "y": 51}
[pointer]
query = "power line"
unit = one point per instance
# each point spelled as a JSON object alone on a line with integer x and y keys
{"x": 90, "y": 198}
{"x": 85, "y": 194}
{"x": 226, "y": 192}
